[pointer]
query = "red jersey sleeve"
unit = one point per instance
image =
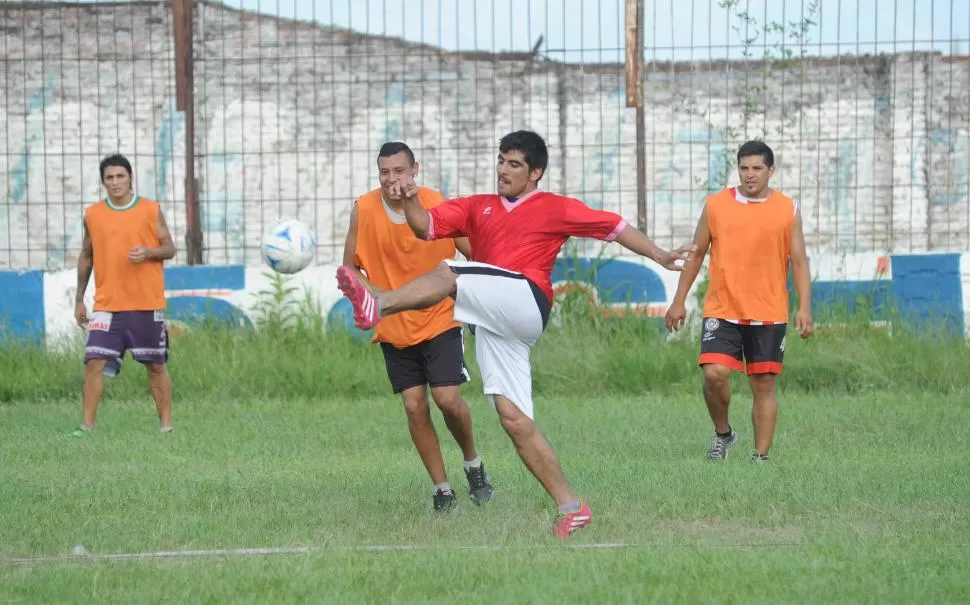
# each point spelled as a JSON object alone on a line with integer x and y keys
{"x": 450, "y": 218}
{"x": 579, "y": 220}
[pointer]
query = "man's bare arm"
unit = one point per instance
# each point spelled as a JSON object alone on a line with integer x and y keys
{"x": 85, "y": 264}
{"x": 799, "y": 264}
{"x": 166, "y": 247}
{"x": 702, "y": 239}
{"x": 350, "y": 245}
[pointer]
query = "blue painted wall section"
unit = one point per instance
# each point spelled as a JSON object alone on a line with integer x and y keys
{"x": 925, "y": 291}
{"x": 195, "y": 307}
{"x": 928, "y": 291}
{"x": 205, "y": 278}
{"x": 615, "y": 281}
{"x": 22, "y": 306}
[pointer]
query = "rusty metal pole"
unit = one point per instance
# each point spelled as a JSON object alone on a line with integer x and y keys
{"x": 634, "y": 98}
{"x": 183, "y": 13}
{"x": 641, "y": 128}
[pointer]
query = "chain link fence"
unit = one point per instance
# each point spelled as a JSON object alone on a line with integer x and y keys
{"x": 865, "y": 102}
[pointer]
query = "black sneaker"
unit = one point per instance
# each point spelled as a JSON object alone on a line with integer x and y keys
{"x": 479, "y": 486}
{"x": 444, "y": 500}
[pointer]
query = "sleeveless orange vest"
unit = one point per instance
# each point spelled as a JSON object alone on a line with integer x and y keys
{"x": 750, "y": 250}
{"x": 391, "y": 256}
{"x": 119, "y": 284}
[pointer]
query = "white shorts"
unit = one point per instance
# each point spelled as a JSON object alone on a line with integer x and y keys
{"x": 509, "y": 313}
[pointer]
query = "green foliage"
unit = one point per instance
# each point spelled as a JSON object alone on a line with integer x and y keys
{"x": 586, "y": 350}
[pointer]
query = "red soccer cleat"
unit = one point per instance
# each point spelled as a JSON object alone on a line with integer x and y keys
{"x": 570, "y": 522}
{"x": 366, "y": 307}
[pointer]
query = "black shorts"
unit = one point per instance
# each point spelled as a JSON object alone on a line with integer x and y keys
{"x": 729, "y": 344}
{"x": 438, "y": 362}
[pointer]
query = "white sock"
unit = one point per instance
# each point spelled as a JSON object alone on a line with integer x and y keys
{"x": 445, "y": 487}
{"x": 470, "y": 464}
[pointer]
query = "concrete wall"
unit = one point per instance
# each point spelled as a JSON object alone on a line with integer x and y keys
{"x": 289, "y": 117}
{"x": 926, "y": 290}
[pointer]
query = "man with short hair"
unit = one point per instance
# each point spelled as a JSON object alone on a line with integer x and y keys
{"x": 753, "y": 232}
{"x": 516, "y": 236}
{"x": 422, "y": 348}
{"x": 126, "y": 242}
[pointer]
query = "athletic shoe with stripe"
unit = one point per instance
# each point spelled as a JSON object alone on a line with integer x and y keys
{"x": 366, "y": 307}
{"x": 570, "y": 522}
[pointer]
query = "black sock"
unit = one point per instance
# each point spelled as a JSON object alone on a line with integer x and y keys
{"x": 725, "y": 435}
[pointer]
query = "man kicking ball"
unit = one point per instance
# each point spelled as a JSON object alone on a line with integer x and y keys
{"x": 515, "y": 236}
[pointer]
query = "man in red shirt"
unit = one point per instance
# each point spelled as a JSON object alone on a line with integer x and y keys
{"x": 506, "y": 294}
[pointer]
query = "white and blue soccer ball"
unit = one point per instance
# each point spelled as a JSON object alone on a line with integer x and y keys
{"x": 288, "y": 246}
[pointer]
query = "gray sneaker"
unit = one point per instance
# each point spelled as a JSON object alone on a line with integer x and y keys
{"x": 756, "y": 457}
{"x": 721, "y": 446}
{"x": 479, "y": 485}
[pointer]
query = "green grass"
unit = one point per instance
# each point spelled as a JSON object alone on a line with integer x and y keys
{"x": 291, "y": 438}
{"x": 864, "y": 501}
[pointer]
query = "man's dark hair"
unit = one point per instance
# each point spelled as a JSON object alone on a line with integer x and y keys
{"x": 532, "y": 146}
{"x": 757, "y": 148}
{"x": 394, "y": 148}
{"x": 115, "y": 160}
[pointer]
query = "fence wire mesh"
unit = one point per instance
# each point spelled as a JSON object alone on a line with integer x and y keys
{"x": 865, "y": 102}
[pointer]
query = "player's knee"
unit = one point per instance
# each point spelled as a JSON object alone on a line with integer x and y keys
{"x": 513, "y": 420}
{"x": 416, "y": 405}
{"x": 762, "y": 384}
{"x": 94, "y": 367}
{"x": 155, "y": 369}
{"x": 716, "y": 375}
{"x": 448, "y": 399}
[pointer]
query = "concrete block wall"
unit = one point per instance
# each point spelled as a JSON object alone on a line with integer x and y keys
{"x": 289, "y": 117}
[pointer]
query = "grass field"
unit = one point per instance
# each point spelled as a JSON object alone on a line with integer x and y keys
{"x": 865, "y": 499}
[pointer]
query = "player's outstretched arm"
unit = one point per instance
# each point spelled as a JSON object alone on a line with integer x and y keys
{"x": 634, "y": 241}
{"x": 802, "y": 278}
{"x": 677, "y": 311}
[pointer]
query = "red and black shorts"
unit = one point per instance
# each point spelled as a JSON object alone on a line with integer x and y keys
{"x": 761, "y": 347}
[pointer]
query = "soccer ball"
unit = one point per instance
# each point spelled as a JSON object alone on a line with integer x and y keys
{"x": 288, "y": 246}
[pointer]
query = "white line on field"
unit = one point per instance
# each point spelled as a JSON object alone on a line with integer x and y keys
{"x": 81, "y": 554}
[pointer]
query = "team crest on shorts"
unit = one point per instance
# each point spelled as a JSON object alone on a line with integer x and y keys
{"x": 711, "y": 324}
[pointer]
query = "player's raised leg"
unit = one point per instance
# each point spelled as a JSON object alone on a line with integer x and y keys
{"x": 419, "y": 293}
